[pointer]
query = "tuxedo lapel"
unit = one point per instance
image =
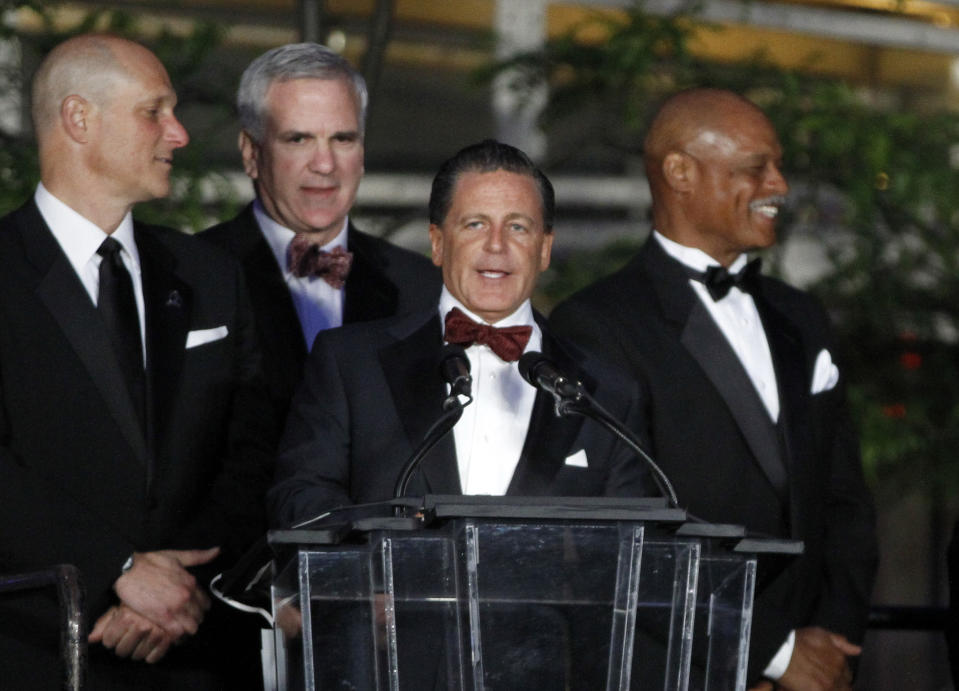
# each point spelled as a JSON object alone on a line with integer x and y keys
{"x": 704, "y": 341}
{"x": 269, "y": 294}
{"x": 369, "y": 293}
{"x": 707, "y": 344}
{"x": 549, "y": 439}
{"x": 670, "y": 282}
{"x": 411, "y": 367}
{"x": 167, "y": 301}
{"x": 64, "y": 296}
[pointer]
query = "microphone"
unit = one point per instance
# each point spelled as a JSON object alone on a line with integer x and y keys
{"x": 571, "y": 398}
{"x": 455, "y": 370}
{"x": 537, "y": 369}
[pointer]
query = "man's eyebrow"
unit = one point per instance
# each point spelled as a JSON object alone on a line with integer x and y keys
{"x": 760, "y": 157}
{"x": 474, "y": 214}
{"x": 159, "y": 100}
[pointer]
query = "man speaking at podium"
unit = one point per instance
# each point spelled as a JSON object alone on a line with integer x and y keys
{"x": 371, "y": 391}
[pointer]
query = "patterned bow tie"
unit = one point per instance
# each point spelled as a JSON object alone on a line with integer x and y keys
{"x": 507, "y": 342}
{"x": 719, "y": 281}
{"x": 306, "y": 259}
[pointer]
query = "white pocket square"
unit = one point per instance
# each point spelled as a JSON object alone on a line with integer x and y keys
{"x": 201, "y": 336}
{"x": 578, "y": 459}
{"x": 825, "y": 374}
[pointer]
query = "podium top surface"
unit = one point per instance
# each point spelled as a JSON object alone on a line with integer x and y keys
{"x": 417, "y": 513}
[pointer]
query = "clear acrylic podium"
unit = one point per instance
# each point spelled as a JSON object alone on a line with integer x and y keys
{"x": 472, "y": 593}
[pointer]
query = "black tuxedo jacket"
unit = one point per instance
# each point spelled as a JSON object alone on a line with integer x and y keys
{"x": 384, "y": 281}
{"x": 704, "y": 422}
{"x": 372, "y": 390}
{"x": 80, "y": 481}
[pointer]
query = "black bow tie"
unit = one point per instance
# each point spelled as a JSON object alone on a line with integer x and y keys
{"x": 719, "y": 281}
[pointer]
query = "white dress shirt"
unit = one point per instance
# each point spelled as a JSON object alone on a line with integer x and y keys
{"x": 318, "y": 304}
{"x": 80, "y": 238}
{"x": 737, "y": 317}
{"x": 489, "y": 437}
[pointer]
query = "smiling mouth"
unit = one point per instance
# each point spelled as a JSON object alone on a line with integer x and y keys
{"x": 767, "y": 207}
{"x": 493, "y": 273}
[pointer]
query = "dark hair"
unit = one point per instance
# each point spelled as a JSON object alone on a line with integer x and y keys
{"x": 486, "y": 157}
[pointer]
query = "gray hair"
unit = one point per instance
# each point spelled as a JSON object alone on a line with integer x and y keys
{"x": 293, "y": 61}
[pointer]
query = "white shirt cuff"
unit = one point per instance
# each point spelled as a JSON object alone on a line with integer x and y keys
{"x": 777, "y": 666}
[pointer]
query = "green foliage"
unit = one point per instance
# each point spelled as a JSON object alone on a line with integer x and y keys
{"x": 568, "y": 274}
{"x": 184, "y": 57}
{"x": 876, "y": 183}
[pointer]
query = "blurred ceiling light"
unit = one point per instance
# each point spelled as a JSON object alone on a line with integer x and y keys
{"x": 336, "y": 41}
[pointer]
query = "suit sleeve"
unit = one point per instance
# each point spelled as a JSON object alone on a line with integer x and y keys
{"x": 41, "y": 526}
{"x": 312, "y": 473}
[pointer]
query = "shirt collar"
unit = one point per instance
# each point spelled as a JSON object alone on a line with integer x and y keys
{"x": 693, "y": 257}
{"x": 279, "y": 236}
{"x": 79, "y": 237}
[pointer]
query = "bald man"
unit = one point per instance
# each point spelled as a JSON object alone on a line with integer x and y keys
{"x": 746, "y": 410}
{"x": 131, "y": 435}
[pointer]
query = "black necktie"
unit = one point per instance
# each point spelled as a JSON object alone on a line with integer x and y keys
{"x": 719, "y": 281}
{"x": 118, "y": 308}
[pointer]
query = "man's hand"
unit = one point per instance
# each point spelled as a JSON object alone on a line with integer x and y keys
{"x": 818, "y": 662}
{"x": 159, "y": 587}
{"x": 764, "y": 685}
{"x": 131, "y": 635}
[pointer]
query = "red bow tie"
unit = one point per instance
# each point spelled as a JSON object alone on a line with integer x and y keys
{"x": 507, "y": 342}
{"x": 306, "y": 259}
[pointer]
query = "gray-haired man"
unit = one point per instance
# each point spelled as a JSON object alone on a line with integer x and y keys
{"x": 302, "y": 111}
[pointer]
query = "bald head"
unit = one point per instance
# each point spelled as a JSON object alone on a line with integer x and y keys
{"x": 693, "y": 115}
{"x": 713, "y": 164}
{"x": 88, "y": 66}
{"x": 103, "y": 112}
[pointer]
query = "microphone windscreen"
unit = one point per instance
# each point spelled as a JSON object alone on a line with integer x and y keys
{"x": 528, "y": 364}
{"x": 452, "y": 351}
{"x": 455, "y": 369}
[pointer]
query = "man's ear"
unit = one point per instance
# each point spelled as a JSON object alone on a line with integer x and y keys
{"x": 76, "y": 116}
{"x": 546, "y": 250}
{"x": 436, "y": 244}
{"x": 249, "y": 150}
{"x": 679, "y": 171}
